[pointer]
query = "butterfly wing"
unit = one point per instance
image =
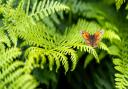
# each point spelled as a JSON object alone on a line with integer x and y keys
{"x": 86, "y": 36}
{"x": 97, "y": 37}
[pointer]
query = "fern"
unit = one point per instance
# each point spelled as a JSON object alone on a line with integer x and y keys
{"x": 45, "y": 8}
{"x": 17, "y": 24}
{"x": 4, "y": 38}
{"x": 111, "y": 35}
{"x": 12, "y": 71}
{"x": 122, "y": 67}
{"x": 60, "y": 47}
{"x": 119, "y": 3}
{"x": 26, "y": 43}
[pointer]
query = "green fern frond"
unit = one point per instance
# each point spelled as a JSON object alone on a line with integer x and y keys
{"x": 103, "y": 46}
{"x": 121, "y": 78}
{"x": 45, "y": 8}
{"x": 32, "y": 84}
{"x": 64, "y": 61}
{"x": 119, "y": 3}
{"x": 53, "y": 56}
{"x": 30, "y": 56}
{"x": 111, "y": 35}
{"x": 4, "y": 38}
{"x": 51, "y": 61}
{"x": 72, "y": 53}
{"x": 57, "y": 60}
{"x": 13, "y": 37}
{"x": 8, "y": 56}
{"x": 11, "y": 68}
{"x": 2, "y": 48}
{"x": 88, "y": 49}
{"x": 54, "y": 20}
{"x": 121, "y": 65}
{"x": 11, "y": 80}
{"x": 88, "y": 59}
{"x": 86, "y": 9}
{"x": 12, "y": 71}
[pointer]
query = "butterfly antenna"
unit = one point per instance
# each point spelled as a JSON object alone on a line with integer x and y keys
{"x": 102, "y": 31}
{"x": 81, "y": 32}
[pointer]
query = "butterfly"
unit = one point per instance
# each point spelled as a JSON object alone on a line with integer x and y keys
{"x": 92, "y": 40}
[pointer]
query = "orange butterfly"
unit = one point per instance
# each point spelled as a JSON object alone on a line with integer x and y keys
{"x": 92, "y": 40}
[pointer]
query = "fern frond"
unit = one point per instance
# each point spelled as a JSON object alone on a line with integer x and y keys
{"x": 11, "y": 68}
{"x": 12, "y": 71}
{"x": 52, "y": 56}
{"x": 121, "y": 78}
{"x": 51, "y": 61}
{"x": 64, "y": 61}
{"x": 30, "y": 85}
{"x": 88, "y": 59}
{"x": 4, "y": 38}
{"x": 57, "y": 58}
{"x": 111, "y": 35}
{"x": 85, "y": 9}
{"x": 121, "y": 65}
{"x": 13, "y": 37}
{"x": 2, "y": 48}
{"x": 54, "y": 20}
{"x": 72, "y": 53}
{"x": 45, "y": 8}
{"x": 23, "y": 80}
{"x": 8, "y": 56}
{"x": 30, "y": 56}
{"x": 103, "y": 46}
{"x": 88, "y": 49}
{"x": 11, "y": 81}
{"x": 119, "y": 3}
